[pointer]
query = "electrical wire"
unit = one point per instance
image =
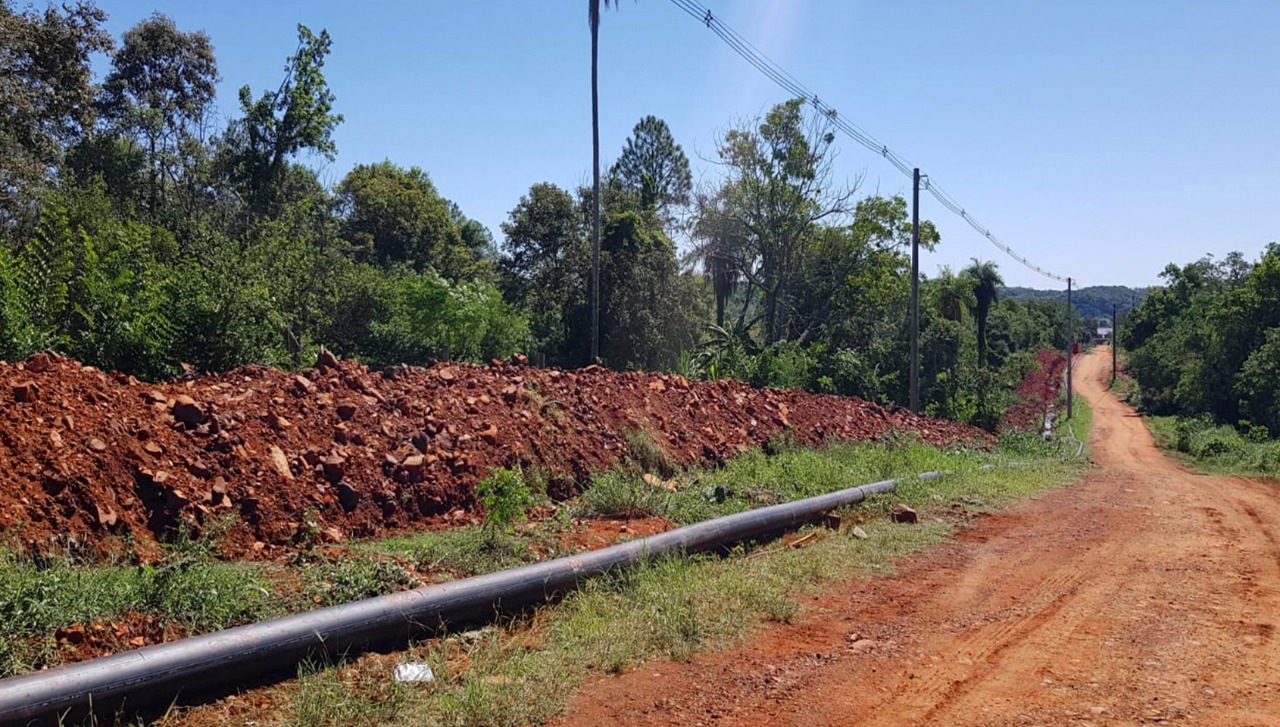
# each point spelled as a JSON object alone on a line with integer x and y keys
{"x": 792, "y": 85}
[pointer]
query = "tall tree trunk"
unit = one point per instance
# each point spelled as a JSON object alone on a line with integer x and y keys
{"x": 154, "y": 191}
{"x": 720, "y": 300}
{"x": 595, "y": 174}
{"x": 982, "y": 336}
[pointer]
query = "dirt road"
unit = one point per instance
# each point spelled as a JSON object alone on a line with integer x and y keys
{"x": 1146, "y": 594}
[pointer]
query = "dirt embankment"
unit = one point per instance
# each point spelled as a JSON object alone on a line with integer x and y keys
{"x": 90, "y": 459}
{"x": 1038, "y": 390}
{"x": 1146, "y": 594}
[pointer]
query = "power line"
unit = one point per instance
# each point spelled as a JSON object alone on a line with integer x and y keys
{"x": 792, "y": 85}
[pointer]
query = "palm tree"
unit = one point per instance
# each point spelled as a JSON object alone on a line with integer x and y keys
{"x": 986, "y": 284}
{"x": 955, "y": 293}
{"x": 593, "y": 19}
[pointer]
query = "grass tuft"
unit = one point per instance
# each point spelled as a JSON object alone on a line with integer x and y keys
{"x": 353, "y": 578}
{"x": 464, "y": 551}
{"x": 623, "y": 495}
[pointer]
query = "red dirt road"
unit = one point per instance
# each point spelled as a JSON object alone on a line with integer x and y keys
{"x": 1146, "y": 594}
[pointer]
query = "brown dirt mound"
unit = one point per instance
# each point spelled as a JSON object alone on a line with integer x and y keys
{"x": 96, "y": 461}
{"x": 1039, "y": 389}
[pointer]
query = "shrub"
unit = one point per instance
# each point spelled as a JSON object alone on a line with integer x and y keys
{"x": 1216, "y": 442}
{"x": 1263, "y": 458}
{"x": 505, "y": 497}
{"x": 784, "y": 365}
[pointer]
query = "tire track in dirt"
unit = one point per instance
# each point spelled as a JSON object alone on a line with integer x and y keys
{"x": 1146, "y": 594}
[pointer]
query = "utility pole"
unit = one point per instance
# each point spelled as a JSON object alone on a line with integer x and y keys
{"x": 915, "y": 290}
{"x": 1115, "y": 340}
{"x": 1071, "y": 348}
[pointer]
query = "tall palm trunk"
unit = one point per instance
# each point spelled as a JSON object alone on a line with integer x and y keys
{"x": 595, "y": 174}
{"x": 984, "y": 308}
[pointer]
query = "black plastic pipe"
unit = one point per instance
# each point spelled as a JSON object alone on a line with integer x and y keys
{"x": 157, "y": 675}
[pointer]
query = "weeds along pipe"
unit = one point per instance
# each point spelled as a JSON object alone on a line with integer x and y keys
{"x": 155, "y": 676}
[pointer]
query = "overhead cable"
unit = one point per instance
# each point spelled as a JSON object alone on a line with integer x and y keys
{"x": 792, "y": 85}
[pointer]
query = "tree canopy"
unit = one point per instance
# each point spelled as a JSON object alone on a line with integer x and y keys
{"x": 653, "y": 167}
{"x": 137, "y": 236}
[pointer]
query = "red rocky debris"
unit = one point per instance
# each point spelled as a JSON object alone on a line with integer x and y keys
{"x": 904, "y": 514}
{"x": 26, "y": 392}
{"x": 1037, "y": 392}
{"x": 326, "y": 360}
{"x": 399, "y": 461}
{"x": 186, "y": 410}
{"x": 414, "y": 468}
{"x": 332, "y": 468}
{"x": 38, "y": 363}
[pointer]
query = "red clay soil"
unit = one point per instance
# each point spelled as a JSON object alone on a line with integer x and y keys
{"x": 1146, "y": 594}
{"x": 124, "y": 632}
{"x": 1039, "y": 389}
{"x": 88, "y": 458}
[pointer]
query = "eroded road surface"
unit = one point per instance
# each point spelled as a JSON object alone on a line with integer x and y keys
{"x": 1146, "y": 594}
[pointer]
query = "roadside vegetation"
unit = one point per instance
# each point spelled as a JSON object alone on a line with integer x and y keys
{"x": 1202, "y": 363}
{"x": 525, "y": 669}
{"x": 1216, "y": 447}
{"x": 1204, "y": 351}
{"x": 139, "y": 234}
{"x": 55, "y": 608}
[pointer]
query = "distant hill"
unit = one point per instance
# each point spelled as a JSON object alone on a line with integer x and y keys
{"x": 1092, "y": 302}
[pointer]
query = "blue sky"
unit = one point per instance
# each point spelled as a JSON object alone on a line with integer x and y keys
{"x": 1101, "y": 139}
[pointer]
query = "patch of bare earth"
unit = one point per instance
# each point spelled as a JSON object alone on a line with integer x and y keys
{"x": 1146, "y": 594}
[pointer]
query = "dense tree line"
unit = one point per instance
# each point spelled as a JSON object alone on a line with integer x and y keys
{"x": 140, "y": 235}
{"x": 1207, "y": 343}
{"x": 1094, "y": 302}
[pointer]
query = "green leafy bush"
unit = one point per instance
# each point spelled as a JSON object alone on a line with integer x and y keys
{"x": 784, "y": 365}
{"x": 505, "y": 497}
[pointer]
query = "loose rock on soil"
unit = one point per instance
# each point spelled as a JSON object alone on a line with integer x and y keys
{"x": 88, "y": 457}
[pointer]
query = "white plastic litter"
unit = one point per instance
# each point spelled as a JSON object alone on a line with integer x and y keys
{"x": 414, "y": 673}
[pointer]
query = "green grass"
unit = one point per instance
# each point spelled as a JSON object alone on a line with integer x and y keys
{"x": 644, "y": 452}
{"x": 39, "y": 597}
{"x": 466, "y": 551}
{"x": 330, "y": 582}
{"x": 526, "y": 671}
{"x": 329, "y": 700}
{"x": 1215, "y": 448}
{"x": 623, "y": 495}
{"x": 1081, "y": 423}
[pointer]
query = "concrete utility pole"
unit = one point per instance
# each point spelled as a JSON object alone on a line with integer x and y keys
{"x": 1115, "y": 340}
{"x": 915, "y": 291}
{"x": 1071, "y": 348}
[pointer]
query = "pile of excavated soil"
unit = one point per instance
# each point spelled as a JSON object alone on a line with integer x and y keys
{"x": 101, "y": 461}
{"x": 1036, "y": 393}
